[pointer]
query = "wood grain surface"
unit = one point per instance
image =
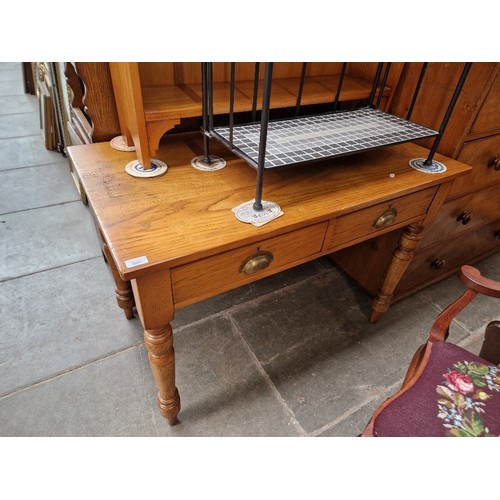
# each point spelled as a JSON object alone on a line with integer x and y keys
{"x": 186, "y": 214}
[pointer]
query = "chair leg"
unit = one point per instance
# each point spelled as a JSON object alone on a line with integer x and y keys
{"x": 490, "y": 351}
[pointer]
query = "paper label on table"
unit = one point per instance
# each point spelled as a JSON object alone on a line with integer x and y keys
{"x": 136, "y": 262}
{"x": 246, "y": 213}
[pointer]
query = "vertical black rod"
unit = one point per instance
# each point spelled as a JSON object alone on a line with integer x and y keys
{"x": 264, "y": 123}
{"x": 301, "y": 88}
{"x": 417, "y": 89}
{"x": 204, "y": 103}
{"x": 255, "y": 91}
{"x": 231, "y": 104}
{"x": 339, "y": 87}
{"x": 375, "y": 84}
{"x": 382, "y": 85}
{"x": 210, "y": 86}
{"x": 447, "y": 115}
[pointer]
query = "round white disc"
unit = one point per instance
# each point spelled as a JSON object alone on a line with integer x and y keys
{"x": 135, "y": 169}
{"x": 435, "y": 167}
{"x": 217, "y": 163}
{"x": 246, "y": 212}
{"x": 119, "y": 144}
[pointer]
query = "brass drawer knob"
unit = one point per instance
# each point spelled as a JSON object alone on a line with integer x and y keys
{"x": 386, "y": 219}
{"x": 256, "y": 262}
{"x": 438, "y": 263}
{"x": 494, "y": 163}
{"x": 497, "y": 235}
{"x": 464, "y": 217}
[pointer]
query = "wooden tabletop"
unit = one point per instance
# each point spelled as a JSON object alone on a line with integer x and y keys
{"x": 186, "y": 214}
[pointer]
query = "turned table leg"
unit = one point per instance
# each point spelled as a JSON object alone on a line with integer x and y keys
{"x": 153, "y": 294}
{"x": 123, "y": 289}
{"x": 400, "y": 261}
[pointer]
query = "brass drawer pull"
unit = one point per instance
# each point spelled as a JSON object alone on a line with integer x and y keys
{"x": 464, "y": 217}
{"x": 386, "y": 219}
{"x": 438, "y": 263}
{"x": 256, "y": 262}
{"x": 494, "y": 163}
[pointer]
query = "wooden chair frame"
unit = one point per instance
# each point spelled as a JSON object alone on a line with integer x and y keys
{"x": 490, "y": 350}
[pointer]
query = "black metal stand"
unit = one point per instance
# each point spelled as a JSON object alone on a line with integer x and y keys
{"x": 264, "y": 124}
{"x": 261, "y": 212}
{"x": 207, "y": 162}
{"x": 301, "y": 140}
{"x": 448, "y": 113}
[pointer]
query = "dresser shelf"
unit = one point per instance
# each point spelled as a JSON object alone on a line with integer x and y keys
{"x": 184, "y": 100}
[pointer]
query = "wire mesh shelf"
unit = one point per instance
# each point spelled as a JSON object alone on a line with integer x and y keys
{"x": 306, "y": 139}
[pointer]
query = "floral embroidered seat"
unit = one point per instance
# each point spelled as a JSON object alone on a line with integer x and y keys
{"x": 448, "y": 391}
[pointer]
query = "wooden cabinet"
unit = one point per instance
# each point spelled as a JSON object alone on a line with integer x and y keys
{"x": 154, "y": 98}
{"x": 467, "y": 228}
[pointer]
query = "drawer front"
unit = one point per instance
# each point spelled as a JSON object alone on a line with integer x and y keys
{"x": 489, "y": 116}
{"x": 212, "y": 275}
{"x": 380, "y": 218}
{"x": 464, "y": 214}
{"x": 430, "y": 263}
{"x": 480, "y": 155}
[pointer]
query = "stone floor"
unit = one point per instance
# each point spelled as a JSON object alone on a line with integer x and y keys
{"x": 291, "y": 355}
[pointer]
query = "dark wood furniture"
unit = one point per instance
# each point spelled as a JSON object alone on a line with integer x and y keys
{"x": 174, "y": 240}
{"x": 467, "y": 228}
{"x": 448, "y": 391}
{"x": 29, "y": 78}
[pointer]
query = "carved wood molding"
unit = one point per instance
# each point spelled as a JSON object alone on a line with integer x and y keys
{"x": 93, "y": 102}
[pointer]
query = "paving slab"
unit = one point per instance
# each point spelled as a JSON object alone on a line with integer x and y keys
{"x": 223, "y": 393}
{"x": 105, "y": 398}
{"x": 354, "y": 423}
{"x": 10, "y": 65}
{"x": 14, "y": 104}
{"x": 35, "y": 187}
{"x": 12, "y": 87}
{"x": 19, "y": 125}
{"x": 13, "y": 74}
{"x": 44, "y": 238}
{"x": 26, "y": 151}
{"x": 57, "y": 320}
{"x": 324, "y": 357}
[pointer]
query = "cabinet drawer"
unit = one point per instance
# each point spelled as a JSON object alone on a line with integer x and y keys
{"x": 489, "y": 116}
{"x": 464, "y": 214}
{"x": 434, "y": 262}
{"x": 361, "y": 225}
{"x": 478, "y": 154}
{"x": 212, "y": 275}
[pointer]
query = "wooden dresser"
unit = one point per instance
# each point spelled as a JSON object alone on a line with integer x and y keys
{"x": 467, "y": 228}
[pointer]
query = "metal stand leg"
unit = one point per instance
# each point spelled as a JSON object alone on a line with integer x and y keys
{"x": 447, "y": 115}
{"x": 260, "y": 212}
{"x": 207, "y": 162}
{"x": 429, "y": 165}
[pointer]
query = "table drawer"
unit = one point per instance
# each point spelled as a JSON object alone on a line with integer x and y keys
{"x": 481, "y": 155}
{"x": 213, "y": 275}
{"x": 464, "y": 214}
{"x": 390, "y": 215}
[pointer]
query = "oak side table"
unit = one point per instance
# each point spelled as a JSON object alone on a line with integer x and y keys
{"x": 173, "y": 240}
